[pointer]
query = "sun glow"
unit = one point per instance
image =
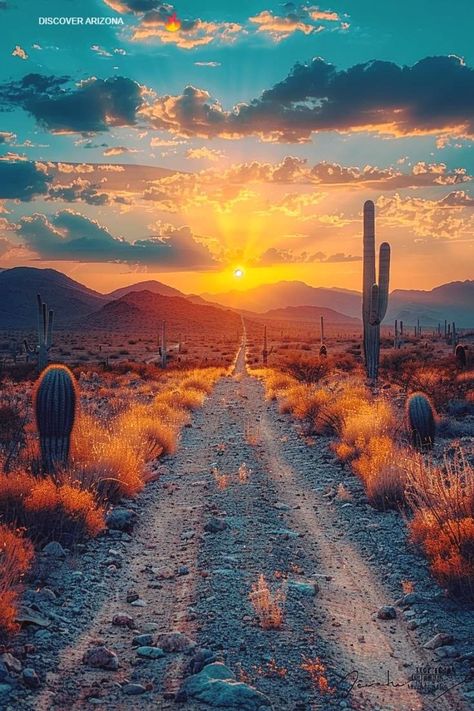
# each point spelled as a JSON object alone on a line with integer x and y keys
{"x": 239, "y": 273}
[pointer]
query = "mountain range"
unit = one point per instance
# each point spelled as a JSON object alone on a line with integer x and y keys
{"x": 76, "y": 305}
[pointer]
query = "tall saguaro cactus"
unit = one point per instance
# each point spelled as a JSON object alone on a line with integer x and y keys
{"x": 374, "y": 295}
{"x": 55, "y": 410}
{"x": 45, "y": 335}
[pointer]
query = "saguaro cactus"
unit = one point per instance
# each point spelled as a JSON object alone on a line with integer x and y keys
{"x": 421, "y": 421}
{"x": 45, "y": 334}
{"x": 55, "y": 402}
{"x": 374, "y": 296}
{"x": 163, "y": 347}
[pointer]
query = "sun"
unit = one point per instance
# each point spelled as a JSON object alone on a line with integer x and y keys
{"x": 239, "y": 273}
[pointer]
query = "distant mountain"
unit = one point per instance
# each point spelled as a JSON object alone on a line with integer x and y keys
{"x": 144, "y": 311}
{"x": 453, "y": 302}
{"x": 155, "y": 287}
{"x": 68, "y": 298}
{"x": 289, "y": 293}
{"x": 309, "y": 314}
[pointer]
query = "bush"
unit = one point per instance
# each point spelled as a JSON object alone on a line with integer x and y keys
{"x": 16, "y": 556}
{"x": 48, "y": 510}
{"x": 442, "y": 500}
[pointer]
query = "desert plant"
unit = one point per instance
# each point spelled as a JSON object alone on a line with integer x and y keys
{"x": 268, "y": 606}
{"x": 421, "y": 421}
{"x": 375, "y": 296}
{"x": 45, "y": 334}
{"x": 460, "y": 353}
{"x": 16, "y": 556}
{"x": 55, "y": 399}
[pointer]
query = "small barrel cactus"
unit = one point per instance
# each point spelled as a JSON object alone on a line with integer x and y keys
{"x": 461, "y": 357}
{"x": 421, "y": 420}
{"x": 55, "y": 403}
{"x": 323, "y": 351}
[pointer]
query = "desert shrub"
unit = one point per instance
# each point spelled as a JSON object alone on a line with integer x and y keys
{"x": 105, "y": 460}
{"x": 307, "y": 370}
{"x": 49, "y": 510}
{"x": 16, "y": 556}
{"x": 380, "y": 466}
{"x": 442, "y": 500}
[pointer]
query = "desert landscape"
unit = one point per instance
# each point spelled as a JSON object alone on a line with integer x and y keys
{"x": 236, "y": 356}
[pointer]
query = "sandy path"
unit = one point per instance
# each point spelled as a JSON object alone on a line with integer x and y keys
{"x": 279, "y": 525}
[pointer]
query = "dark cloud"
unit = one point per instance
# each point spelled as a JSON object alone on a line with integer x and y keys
{"x": 78, "y": 190}
{"x": 93, "y": 105}
{"x": 69, "y": 235}
{"x": 22, "y": 180}
{"x": 458, "y": 198}
{"x": 434, "y": 95}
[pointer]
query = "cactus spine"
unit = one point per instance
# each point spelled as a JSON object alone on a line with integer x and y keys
{"x": 421, "y": 420}
{"x": 374, "y": 296}
{"x": 45, "y": 333}
{"x": 55, "y": 403}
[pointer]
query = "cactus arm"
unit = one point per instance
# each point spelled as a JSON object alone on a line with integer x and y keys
{"x": 384, "y": 278}
{"x": 49, "y": 337}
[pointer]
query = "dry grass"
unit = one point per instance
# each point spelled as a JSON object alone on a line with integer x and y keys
{"x": 222, "y": 480}
{"x": 244, "y": 473}
{"x": 16, "y": 556}
{"x": 268, "y": 605}
{"x": 317, "y": 673}
{"x": 442, "y": 499}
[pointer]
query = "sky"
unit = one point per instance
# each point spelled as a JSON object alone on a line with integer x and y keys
{"x": 238, "y": 149}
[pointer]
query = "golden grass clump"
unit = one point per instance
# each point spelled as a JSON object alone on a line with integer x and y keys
{"x": 16, "y": 556}
{"x": 268, "y": 605}
{"x": 442, "y": 500}
{"x": 380, "y": 465}
{"x": 106, "y": 460}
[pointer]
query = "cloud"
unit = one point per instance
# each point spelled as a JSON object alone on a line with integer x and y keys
{"x": 273, "y": 255}
{"x": 7, "y": 137}
{"x": 92, "y": 105}
{"x": 133, "y": 6}
{"x": 443, "y": 219}
{"x": 70, "y": 236}
{"x": 118, "y": 150}
{"x": 303, "y": 18}
{"x": 19, "y": 52}
{"x": 458, "y": 198}
{"x": 207, "y": 64}
{"x": 204, "y": 153}
{"x": 79, "y": 190}
{"x": 434, "y": 96}
{"x": 22, "y": 180}
{"x": 193, "y": 33}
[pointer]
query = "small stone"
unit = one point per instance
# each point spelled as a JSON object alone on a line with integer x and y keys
{"x": 280, "y": 506}
{"x": 30, "y": 678}
{"x": 150, "y": 627}
{"x": 47, "y": 594}
{"x": 215, "y": 525}
{"x": 132, "y": 596}
{"x": 11, "y": 663}
{"x": 5, "y": 690}
{"x": 54, "y": 550}
{"x": 183, "y": 570}
{"x": 439, "y": 640}
{"x": 121, "y": 519}
{"x": 123, "y": 620}
{"x": 200, "y": 659}
{"x": 139, "y": 603}
{"x": 176, "y": 642}
{"x": 148, "y": 652}
{"x": 133, "y": 689}
{"x": 217, "y": 687}
{"x": 386, "y": 612}
{"x": 100, "y": 657}
{"x": 142, "y": 640}
{"x": 303, "y": 588}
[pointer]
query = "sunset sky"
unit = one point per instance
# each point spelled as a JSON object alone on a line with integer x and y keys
{"x": 247, "y": 140}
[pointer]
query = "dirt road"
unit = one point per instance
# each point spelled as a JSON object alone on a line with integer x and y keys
{"x": 242, "y": 463}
